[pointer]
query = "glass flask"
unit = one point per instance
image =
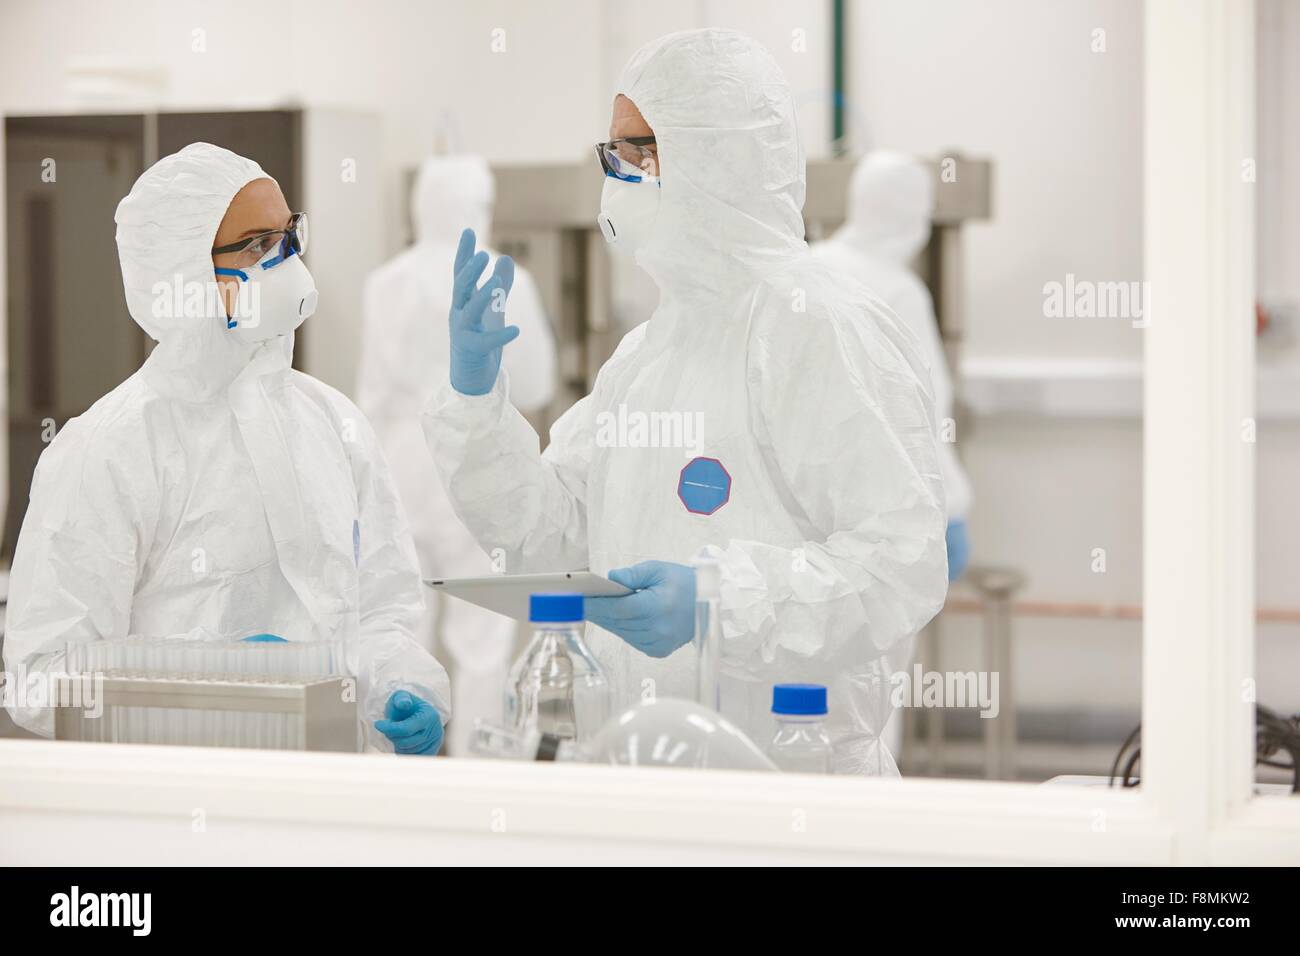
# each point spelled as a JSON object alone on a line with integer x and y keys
{"x": 658, "y": 733}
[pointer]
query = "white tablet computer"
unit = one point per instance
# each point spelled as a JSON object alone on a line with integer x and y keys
{"x": 508, "y": 593}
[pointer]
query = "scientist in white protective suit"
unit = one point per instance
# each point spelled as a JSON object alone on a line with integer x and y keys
{"x": 887, "y": 224}
{"x": 812, "y": 476}
{"x": 218, "y": 493}
{"x": 403, "y": 350}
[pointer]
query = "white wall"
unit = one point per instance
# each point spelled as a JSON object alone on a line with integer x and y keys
{"x": 428, "y": 69}
{"x": 435, "y": 72}
{"x": 1015, "y": 81}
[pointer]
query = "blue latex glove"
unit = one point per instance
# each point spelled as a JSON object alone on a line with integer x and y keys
{"x": 958, "y": 549}
{"x": 478, "y": 318}
{"x": 412, "y": 724}
{"x": 265, "y": 639}
{"x": 659, "y": 617}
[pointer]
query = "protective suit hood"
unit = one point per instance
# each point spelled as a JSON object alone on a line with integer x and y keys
{"x": 891, "y": 201}
{"x": 732, "y": 165}
{"x": 166, "y": 227}
{"x": 453, "y": 193}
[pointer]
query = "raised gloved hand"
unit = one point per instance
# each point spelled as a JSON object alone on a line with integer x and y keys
{"x": 412, "y": 724}
{"x": 659, "y": 617}
{"x": 958, "y": 549}
{"x": 264, "y": 639}
{"x": 477, "y": 318}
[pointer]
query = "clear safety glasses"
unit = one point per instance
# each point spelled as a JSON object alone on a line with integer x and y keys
{"x": 630, "y": 159}
{"x": 291, "y": 240}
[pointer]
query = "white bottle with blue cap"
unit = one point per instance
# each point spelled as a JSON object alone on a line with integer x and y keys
{"x": 801, "y": 744}
{"x": 557, "y": 687}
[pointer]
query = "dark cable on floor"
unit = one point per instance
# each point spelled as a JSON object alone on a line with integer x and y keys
{"x": 1274, "y": 735}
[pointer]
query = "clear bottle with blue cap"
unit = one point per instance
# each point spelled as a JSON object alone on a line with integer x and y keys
{"x": 557, "y": 687}
{"x": 801, "y": 744}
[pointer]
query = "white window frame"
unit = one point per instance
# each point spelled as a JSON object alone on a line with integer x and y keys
{"x": 84, "y": 803}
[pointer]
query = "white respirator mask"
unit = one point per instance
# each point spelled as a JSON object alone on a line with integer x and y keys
{"x": 628, "y": 211}
{"x": 275, "y": 297}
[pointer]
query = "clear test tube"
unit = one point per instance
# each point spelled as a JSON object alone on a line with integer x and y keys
{"x": 233, "y": 661}
{"x": 73, "y": 657}
{"x": 220, "y": 663}
{"x": 134, "y": 658}
{"x": 173, "y": 663}
{"x": 191, "y": 660}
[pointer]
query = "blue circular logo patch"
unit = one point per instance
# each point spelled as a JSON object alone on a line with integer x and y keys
{"x": 704, "y": 486}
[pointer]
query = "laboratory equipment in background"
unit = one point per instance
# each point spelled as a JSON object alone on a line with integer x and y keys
{"x": 800, "y": 744}
{"x": 70, "y": 338}
{"x": 199, "y": 693}
{"x": 557, "y": 687}
{"x": 545, "y": 217}
{"x": 708, "y": 633}
{"x": 655, "y": 733}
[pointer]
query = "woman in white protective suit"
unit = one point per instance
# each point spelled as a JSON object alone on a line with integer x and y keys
{"x": 811, "y": 476}
{"x": 403, "y": 350}
{"x": 218, "y": 493}
{"x": 887, "y": 223}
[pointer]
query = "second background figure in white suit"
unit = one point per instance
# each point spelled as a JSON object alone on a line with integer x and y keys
{"x": 404, "y": 352}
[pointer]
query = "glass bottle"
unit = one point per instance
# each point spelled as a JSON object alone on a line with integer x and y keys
{"x": 801, "y": 744}
{"x": 557, "y": 687}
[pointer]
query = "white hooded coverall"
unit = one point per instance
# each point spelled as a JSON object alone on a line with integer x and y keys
{"x": 809, "y": 395}
{"x": 405, "y": 350}
{"x": 891, "y": 201}
{"x": 217, "y": 492}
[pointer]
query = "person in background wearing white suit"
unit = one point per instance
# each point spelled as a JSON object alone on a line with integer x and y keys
{"x": 887, "y": 223}
{"x": 404, "y": 352}
{"x": 219, "y": 494}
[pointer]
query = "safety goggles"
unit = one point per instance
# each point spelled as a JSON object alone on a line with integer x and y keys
{"x": 275, "y": 246}
{"x": 631, "y": 159}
